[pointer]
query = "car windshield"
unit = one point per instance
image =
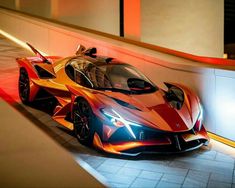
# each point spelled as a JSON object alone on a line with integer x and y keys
{"x": 118, "y": 77}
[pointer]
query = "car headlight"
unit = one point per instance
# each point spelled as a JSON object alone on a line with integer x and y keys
{"x": 199, "y": 118}
{"x": 117, "y": 120}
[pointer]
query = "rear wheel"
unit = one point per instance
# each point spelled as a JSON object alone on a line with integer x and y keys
{"x": 83, "y": 119}
{"x": 23, "y": 86}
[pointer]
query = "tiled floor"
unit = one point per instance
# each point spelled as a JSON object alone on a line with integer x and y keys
{"x": 210, "y": 167}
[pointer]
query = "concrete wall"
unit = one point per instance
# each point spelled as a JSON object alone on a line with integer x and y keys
{"x": 102, "y": 15}
{"x": 30, "y": 157}
{"x": 214, "y": 85}
{"x": 8, "y": 3}
{"x": 192, "y": 26}
{"x": 35, "y": 7}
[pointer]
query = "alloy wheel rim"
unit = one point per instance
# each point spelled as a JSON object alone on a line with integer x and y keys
{"x": 24, "y": 86}
{"x": 81, "y": 121}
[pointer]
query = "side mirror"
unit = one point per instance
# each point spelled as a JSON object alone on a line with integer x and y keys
{"x": 175, "y": 96}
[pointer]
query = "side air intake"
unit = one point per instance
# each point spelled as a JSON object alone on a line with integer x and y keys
{"x": 42, "y": 73}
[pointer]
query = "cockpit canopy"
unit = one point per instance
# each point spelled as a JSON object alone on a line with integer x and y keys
{"x": 115, "y": 76}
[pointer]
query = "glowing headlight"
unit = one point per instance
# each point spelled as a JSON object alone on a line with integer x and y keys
{"x": 117, "y": 120}
{"x": 200, "y": 116}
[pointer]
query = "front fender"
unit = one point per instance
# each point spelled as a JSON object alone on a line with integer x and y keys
{"x": 88, "y": 95}
{"x": 191, "y": 100}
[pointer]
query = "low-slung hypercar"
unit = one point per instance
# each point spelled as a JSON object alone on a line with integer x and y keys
{"x": 112, "y": 105}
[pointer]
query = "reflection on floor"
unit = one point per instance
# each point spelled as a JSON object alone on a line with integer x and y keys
{"x": 211, "y": 166}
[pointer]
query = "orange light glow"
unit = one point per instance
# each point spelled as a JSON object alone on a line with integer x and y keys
{"x": 132, "y": 19}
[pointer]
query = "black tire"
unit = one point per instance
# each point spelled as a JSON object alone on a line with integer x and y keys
{"x": 83, "y": 121}
{"x": 23, "y": 86}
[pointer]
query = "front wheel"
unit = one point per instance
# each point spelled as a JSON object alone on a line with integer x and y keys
{"x": 24, "y": 86}
{"x": 83, "y": 119}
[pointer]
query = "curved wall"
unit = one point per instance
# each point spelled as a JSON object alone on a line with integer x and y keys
{"x": 215, "y": 85}
{"x": 191, "y": 26}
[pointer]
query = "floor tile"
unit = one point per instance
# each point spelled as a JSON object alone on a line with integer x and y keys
{"x": 163, "y": 184}
{"x": 150, "y": 175}
{"x": 140, "y": 182}
{"x": 118, "y": 185}
{"x": 203, "y": 165}
{"x": 173, "y": 178}
{"x": 198, "y": 176}
{"x": 129, "y": 171}
{"x": 116, "y": 162}
{"x": 224, "y": 158}
{"x": 193, "y": 184}
{"x": 227, "y": 178}
{"x": 216, "y": 184}
{"x": 117, "y": 178}
{"x": 157, "y": 168}
{"x": 108, "y": 168}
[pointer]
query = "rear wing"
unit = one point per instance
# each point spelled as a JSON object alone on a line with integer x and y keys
{"x": 38, "y": 54}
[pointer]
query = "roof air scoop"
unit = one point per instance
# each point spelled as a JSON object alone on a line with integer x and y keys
{"x": 80, "y": 49}
{"x": 91, "y": 52}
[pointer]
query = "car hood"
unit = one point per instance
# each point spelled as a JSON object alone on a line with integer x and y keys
{"x": 154, "y": 111}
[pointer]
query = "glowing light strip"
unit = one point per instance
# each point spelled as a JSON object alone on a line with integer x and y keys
{"x": 125, "y": 122}
{"x": 200, "y": 117}
{"x": 19, "y": 42}
{"x": 222, "y": 139}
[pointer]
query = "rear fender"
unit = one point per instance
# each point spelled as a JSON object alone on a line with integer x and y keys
{"x": 28, "y": 66}
{"x": 33, "y": 87}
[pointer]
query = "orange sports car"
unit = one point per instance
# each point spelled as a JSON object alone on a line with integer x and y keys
{"x": 112, "y": 105}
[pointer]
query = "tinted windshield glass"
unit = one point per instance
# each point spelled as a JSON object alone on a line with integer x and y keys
{"x": 114, "y": 76}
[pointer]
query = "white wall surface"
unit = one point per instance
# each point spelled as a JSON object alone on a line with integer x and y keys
{"x": 213, "y": 84}
{"x": 101, "y": 15}
{"x": 36, "y": 7}
{"x": 8, "y": 3}
{"x": 192, "y": 26}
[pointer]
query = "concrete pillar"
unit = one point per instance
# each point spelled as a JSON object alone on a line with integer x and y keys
{"x": 132, "y": 19}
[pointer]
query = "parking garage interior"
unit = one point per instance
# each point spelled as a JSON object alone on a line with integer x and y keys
{"x": 37, "y": 151}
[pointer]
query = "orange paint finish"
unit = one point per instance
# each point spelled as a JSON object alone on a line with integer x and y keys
{"x": 108, "y": 131}
{"x": 121, "y": 147}
{"x": 25, "y": 63}
{"x": 202, "y": 134}
{"x": 33, "y": 91}
{"x": 122, "y": 121}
